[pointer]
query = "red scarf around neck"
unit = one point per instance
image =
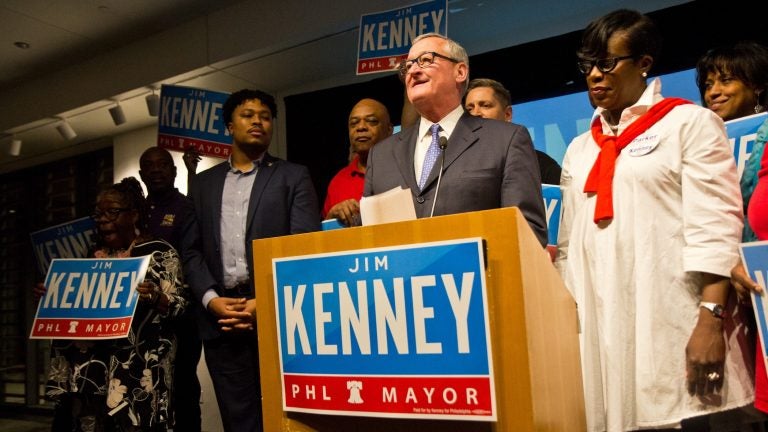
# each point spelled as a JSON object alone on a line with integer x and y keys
{"x": 600, "y": 179}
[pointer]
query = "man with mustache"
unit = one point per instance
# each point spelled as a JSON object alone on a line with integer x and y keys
{"x": 368, "y": 124}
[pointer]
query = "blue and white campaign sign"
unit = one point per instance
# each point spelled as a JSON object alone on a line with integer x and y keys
{"x": 68, "y": 240}
{"x": 742, "y": 134}
{"x": 755, "y": 258}
{"x": 554, "y": 122}
{"x": 191, "y": 117}
{"x": 89, "y": 298}
{"x": 553, "y": 204}
{"x": 385, "y": 37}
{"x": 387, "y": 332}
{"x": 552, "y": 133}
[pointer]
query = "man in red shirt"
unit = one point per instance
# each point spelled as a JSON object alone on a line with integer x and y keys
{"x": 368, "y": 124}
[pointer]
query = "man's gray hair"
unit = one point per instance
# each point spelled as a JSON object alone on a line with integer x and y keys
{"x": 455, "y": 50}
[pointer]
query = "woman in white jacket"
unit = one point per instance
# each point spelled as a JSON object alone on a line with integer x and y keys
{"x": 651, "y": 224}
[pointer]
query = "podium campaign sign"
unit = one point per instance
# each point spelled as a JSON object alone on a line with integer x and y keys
{"x": 191, "y": 117}
{"x": 385, "y": 37}
{"x": 68, "y": 240}
{"x": 387, "y": 332}
{"x": 89, "y": 298}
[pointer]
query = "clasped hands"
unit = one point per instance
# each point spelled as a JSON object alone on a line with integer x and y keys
{"x": 234, "y": 314}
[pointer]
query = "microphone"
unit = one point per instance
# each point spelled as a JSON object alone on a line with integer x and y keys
{"x": 443, "y": 142}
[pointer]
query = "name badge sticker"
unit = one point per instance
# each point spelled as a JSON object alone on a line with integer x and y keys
{"x": 642, "y": 145}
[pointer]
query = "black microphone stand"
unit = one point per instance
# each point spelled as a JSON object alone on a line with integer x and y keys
{"x": 443, "y": 145}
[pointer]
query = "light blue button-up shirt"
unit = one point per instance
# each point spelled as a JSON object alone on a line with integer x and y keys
{"x": 234, "y": 214}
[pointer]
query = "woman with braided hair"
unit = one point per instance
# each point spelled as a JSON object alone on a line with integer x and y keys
{"x": 125, "y": 384}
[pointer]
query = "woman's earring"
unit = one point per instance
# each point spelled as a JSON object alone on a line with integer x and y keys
{"x": 136, "y": 231}
{"x": 758, "y": 108}
{"x": 645, "y": 74}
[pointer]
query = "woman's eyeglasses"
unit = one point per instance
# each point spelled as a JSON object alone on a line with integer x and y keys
{"x": 604, "y": 65}
{"x": 110, "y": 214}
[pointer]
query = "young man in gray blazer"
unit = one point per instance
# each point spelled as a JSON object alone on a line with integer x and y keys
{"x": 487, "y": 164}
{"x": 253, "y": 195}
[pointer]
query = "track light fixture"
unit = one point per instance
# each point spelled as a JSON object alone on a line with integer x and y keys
{"x": 15, "y": 148}
{"x": 153, "y": 104}
{"x": 118, "y": 116}
{"x": 66, "y": 130}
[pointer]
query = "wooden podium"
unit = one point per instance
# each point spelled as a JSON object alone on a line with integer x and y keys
{"x": 533, "y": 325}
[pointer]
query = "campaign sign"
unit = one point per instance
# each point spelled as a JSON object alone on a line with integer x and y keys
{"x": 385, "y": 37}
{"x": 754, "y": 255}
{"x": 553, "y": 204}
{"x": 68, "y": 240}
{"x": 331, "y": 224}
{"x": 89, "y": 298}
{"x": 191, "y": 117}
{"x": 742, "y": 133}
{"x": 388, "y": 332}
{"x": 552, "y": 133}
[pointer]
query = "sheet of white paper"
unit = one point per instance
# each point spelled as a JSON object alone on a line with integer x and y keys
{"x": 394, "y": 205}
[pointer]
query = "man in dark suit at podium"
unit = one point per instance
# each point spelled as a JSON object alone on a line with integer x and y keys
{"x": 485, "y": 163}
{"x": 253, "y": 195}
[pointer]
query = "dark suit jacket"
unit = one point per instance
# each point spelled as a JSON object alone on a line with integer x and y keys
{"x": 283, "y": 201}
{"x": 488, "y": 164}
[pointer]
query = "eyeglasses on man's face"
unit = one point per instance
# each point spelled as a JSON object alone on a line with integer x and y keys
{"x": 604, "y": 65}
{"x": 423, "y": 60}
{"x": 110, "y": 214}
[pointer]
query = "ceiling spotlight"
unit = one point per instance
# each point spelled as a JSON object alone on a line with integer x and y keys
{"x": 118, "y": 116}
{"x": 153, "y": 104}
{"x": 66, "y": 130}
{"x": 15, "y": 148}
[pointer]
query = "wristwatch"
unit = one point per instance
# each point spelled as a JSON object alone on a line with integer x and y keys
{"x": 717, "y": 310}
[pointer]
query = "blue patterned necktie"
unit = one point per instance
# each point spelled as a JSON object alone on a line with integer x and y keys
{"x": 433, "y": 151}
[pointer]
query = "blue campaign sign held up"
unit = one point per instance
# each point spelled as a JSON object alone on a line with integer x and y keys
{"x": 755, "y": 258}
{"x": 89, "y": 298}
{"x": 191, "y": 117}
{"x": 385, "y": 37}
{"x": 68, "y": 240}
{"x": 742, "y": 133}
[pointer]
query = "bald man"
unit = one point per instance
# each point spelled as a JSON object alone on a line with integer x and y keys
{"x": 368, "y": 124}
{"x": 169, "y": 209}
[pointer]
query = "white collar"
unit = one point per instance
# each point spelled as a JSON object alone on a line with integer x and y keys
{"x": 447, "y": 123}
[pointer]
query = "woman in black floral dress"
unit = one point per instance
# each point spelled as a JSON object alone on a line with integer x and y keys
{"x": 125, "y": 384}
